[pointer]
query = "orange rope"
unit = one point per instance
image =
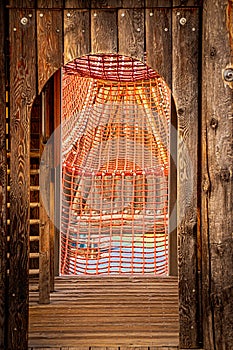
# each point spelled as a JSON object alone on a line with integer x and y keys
{"x": 115, "y": 145}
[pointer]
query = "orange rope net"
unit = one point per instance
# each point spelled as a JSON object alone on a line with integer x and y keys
{"x": 115, "y": 142}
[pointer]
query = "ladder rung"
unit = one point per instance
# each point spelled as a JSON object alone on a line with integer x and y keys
{"x": 32, "y": 221}
{"x": 34, "y": 238}
{"x": 33, "y": 255}
{"x": 34, "y": 272}
{"x": 32, "y": 154}
{"x": 32, "y": 188}
{"x": 32, "y": 205}
{"x": 32, "y": 171}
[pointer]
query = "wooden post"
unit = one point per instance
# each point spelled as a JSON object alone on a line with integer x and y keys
{"x": 22, "y": 94}
{"x": 3, "y": 184}
{"x": 217, "y": 178}
{"x": 185, "y": 75}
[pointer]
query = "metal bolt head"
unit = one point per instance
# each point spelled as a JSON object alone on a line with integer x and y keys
{"x": 228, "y": 74}
{"x": 14, "y": 29}
{"x": 183, "y": 21}
{"x": 24, "y": 21}
{"x": 41, "y": 15}
{"x": 166, "y": 29}
{"x": 68, "y": 14}
{"x": 30, "y": 15}
{"x": 138, "y": 29}
{"x": 123, "y": 15}
{"x": 58, "y": 30}
{"x": 151, "y": 14}
{"x": 95, "y": 14}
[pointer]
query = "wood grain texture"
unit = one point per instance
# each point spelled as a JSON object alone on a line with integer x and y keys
{"x": 106, "y": 3}
{"x": 22, "y": 3}
{"x": 158, "y": 3}
{"x": 185, "y": 92}
{"x": 159, "y": 41}
{"x": 131, "y": 33}
{"x": 103, "y": 31}
{"x": 183, "y": 3}
{"x": 217, "y": 189}
{"x": 133, "y": 4}
{"x": 107, "y": 312}
{"x": 49, "y": 44}
{"x": 49, "y": 3}
{"x": 22, "y": 94}
{"x": 3, "y": 186}
{"x": 76, "y": 34}
{"x": 78, "y": 4}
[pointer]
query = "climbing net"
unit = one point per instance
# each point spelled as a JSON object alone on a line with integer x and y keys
{"x": 115, "y": 164}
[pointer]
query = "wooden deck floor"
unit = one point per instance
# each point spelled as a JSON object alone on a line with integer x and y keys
{"x": 106, "y": 313}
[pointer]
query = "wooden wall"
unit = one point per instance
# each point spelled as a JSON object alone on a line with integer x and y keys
{"x": 46, "y": 34}
{"x": 217, "y": 180}
{"x": 3, "y": 185}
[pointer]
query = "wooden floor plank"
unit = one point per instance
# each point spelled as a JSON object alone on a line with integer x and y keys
{"x": 106, "y": 313}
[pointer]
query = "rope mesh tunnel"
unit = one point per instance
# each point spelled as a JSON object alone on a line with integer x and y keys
{"x": 115, "y": 166}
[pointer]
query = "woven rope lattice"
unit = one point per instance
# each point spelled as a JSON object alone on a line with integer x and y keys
{"x": 115, "y": 141}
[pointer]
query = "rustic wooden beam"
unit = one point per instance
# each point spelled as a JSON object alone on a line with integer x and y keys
{"x": 22, "y": 94}
{"x": 3, "y": 183}
{"x": 185, "y": 75}
{"x": 49, "y": 44}
{"x": 76, "y": 34}
{"x": 217, "y": 180}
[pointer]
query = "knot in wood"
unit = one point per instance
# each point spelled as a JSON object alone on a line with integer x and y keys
{"x": 213, "y": 52}
{"x": 225, "y": 175}
{"x": 214, "y": 123}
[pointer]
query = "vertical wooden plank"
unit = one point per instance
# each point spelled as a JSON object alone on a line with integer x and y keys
{"x": 158, "y": 3}
{"x": 49, "y": 3}
{"x": 131, "y": 22}
{"x": 158, "y": 41}
{"x": 187, "y": 3}
{"x": 22, "y": 94}
{"x": 3, "y": 185}
{"x": 44, "y": 249}
{"x": 22, "y": 3}
{"x": 78, "y": 4}
{"x": 185, "y": 91}
{"x": 106, "y": 4}
{"x": 133, "y": 4}
{"x": 217, "y": 185}
{"x": 76, "y": 34}
{"x": 103, "y": 31}
{"x": 49, "y": 44}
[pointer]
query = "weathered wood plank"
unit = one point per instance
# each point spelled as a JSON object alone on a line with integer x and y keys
{"x": 78, "y": 4}
{"x": 131, "y": 22}
{"x": 22, "y": 94}
{"x": 103, "y": 31}
{"x": 129, "y": 315}
{"x": 133, "y": 3}
{"x": 158, "y": 3}
{"x": 158, "y": 41}
{"x": 217, "y": 189}
{"x": 49, "y": 3}
{"x": 183, "y": 3}
{"x": 22, "y": 3}
{"x": 106, "y": 4}
{"x": 49, "y": 44}
{"x": 76, "y": 34}
{"x": 185, "y": 91}
{"x": 3, "y": 185}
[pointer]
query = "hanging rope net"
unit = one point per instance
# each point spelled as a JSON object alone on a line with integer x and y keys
{"x": 115, "y": 164}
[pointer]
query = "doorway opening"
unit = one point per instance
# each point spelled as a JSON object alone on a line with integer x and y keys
{"x": 115, "y": 167}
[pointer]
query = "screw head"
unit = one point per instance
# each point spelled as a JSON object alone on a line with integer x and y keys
{"x": 166, "y": 29}
{"x": 228, "y": 74}
{"x": 68, "y": 14}
{"x": 14, "y": 29}
{"x": 183, "y": 21}
{"x": 123, "y": 15}
{"x": 138, "y": 29}
{"x": 24, "y": 21}
{"x": 41, "y": 15}
{"x": 151, "y": 14}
